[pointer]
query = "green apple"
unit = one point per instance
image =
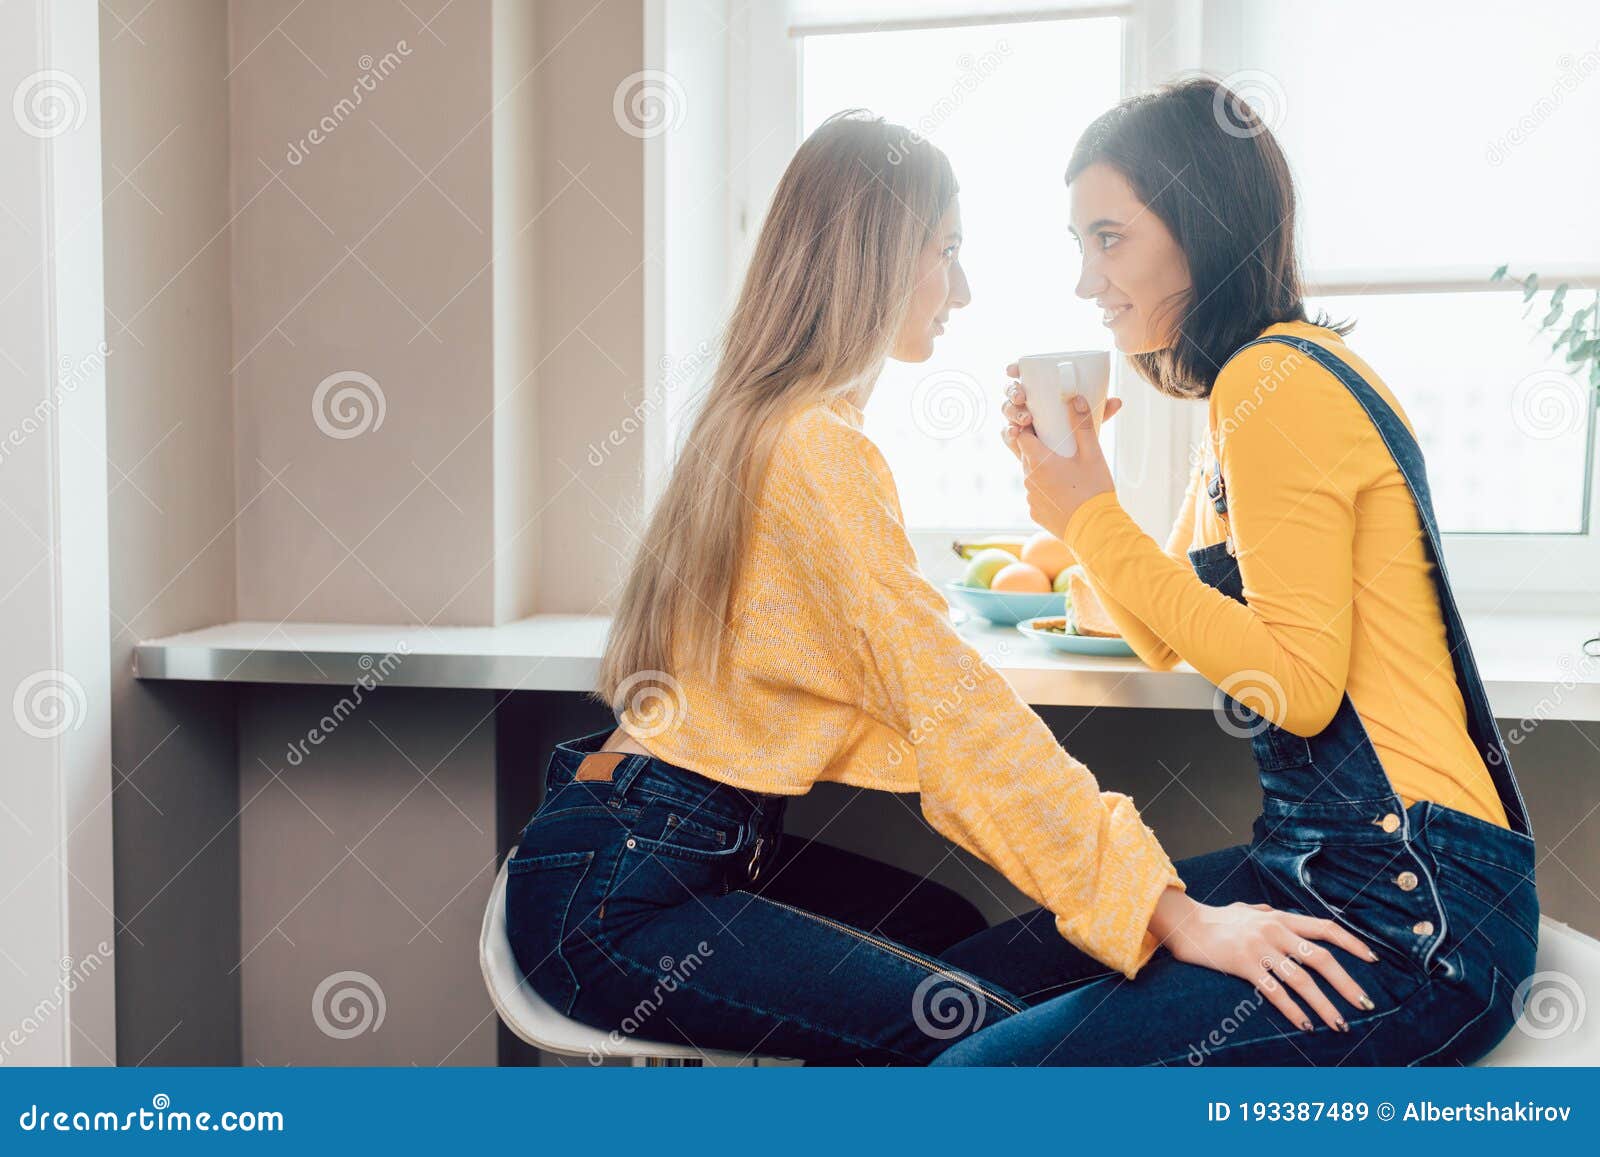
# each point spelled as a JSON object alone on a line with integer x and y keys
{"x": 985, "y": 565}
{"x": 1060, "y": 585}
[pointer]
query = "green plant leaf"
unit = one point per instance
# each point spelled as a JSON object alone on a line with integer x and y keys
{"x": 1559, "y": 296}
{"x": 1530, "y": 286}
{"x": 1499, "y": 273}
{"x": 1573, "y": 332}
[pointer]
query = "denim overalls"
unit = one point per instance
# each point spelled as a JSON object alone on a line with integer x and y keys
{"x": 1446, "y": 900}
{"x": 1330, "y": 791}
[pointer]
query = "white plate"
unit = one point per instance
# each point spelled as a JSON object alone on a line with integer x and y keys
{"x": 1076, "y": 644}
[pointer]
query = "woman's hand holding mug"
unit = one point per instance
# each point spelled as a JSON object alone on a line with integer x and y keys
{"x": 1056, "y": 485}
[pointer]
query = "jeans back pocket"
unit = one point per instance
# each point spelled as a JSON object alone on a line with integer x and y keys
{"x": 540, "y": 893}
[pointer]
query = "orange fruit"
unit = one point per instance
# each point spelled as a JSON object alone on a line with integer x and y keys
{"x": 1047, "y": 552}
{"x": 1021, "y": 577}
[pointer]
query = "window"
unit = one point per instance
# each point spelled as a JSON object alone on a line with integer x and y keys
{"x": 1417, "y": 176}
{"x": 1005, "y": 102}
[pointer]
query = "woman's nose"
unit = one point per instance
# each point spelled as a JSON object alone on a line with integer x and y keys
{"x": 1090, "y": 282}
{"x": 960, "y": 291}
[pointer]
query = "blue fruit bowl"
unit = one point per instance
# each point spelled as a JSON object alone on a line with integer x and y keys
{"x": 1005, "y": 608}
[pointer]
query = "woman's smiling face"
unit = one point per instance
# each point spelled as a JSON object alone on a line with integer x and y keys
{"x": 1133, "y": 268}
{"x": 940, "y": 286}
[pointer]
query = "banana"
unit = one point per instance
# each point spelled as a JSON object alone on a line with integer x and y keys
{"x": 966, "y": 548}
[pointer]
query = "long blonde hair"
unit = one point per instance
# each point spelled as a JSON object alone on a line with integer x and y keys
{"x": 825, "y": 293}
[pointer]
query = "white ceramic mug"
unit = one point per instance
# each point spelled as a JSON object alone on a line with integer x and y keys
{"x": 1051, "y": 379}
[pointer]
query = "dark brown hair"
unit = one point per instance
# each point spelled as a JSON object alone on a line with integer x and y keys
{"x": 1210, "y": 169}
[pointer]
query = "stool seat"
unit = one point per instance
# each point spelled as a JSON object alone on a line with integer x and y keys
{"x": 1554, "y": 1028}
{"x": 528, "y": 1015}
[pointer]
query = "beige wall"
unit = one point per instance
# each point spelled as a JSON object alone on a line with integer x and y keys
{"x": 468, "y": 235}
{"x": 592, "y": 291}
{"x": 367, "y": 252}
{"x": 373, "y": 855}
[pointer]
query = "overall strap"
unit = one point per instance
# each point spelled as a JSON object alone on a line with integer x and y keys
{"x": 1407, "y": 456}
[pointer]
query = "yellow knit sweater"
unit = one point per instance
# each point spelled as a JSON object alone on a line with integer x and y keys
{"x": 843, "y": 665}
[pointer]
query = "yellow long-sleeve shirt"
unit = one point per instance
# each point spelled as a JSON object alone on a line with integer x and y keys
{"x": 1339, "y": 589}
{"x": 843, "y": 666}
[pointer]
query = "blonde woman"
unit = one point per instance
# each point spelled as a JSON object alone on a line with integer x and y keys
{"x": 774, "y": 633}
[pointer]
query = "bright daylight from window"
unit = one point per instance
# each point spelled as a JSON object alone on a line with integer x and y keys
{"x": 1005, "y": 102}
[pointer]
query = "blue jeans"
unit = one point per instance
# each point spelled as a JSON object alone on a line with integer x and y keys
{"x": 646, "y": 900}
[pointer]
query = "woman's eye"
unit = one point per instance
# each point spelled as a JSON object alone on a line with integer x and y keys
{"x": 950, "y": 252}
{"x": 1107, "y": 240}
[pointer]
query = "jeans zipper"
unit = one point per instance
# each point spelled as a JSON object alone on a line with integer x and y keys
{"x": 965, "y": 981}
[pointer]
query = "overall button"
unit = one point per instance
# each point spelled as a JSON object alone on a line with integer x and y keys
{"x": 1423, "y": 928}
{"x": 1390, "y": 823}
{"x": 1407, "y": 881}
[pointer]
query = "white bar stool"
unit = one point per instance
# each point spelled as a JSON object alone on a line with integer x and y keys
{"x": 528, "y": 1015}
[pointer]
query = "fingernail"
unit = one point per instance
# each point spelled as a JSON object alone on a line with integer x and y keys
{"x": 1079, "y": 404}
{"x": 1341, "y": 1026}
{"x": 1306, "y": 1024}
{"x": 1366, "y": 1002}
{"x": 1372, "y": 956}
